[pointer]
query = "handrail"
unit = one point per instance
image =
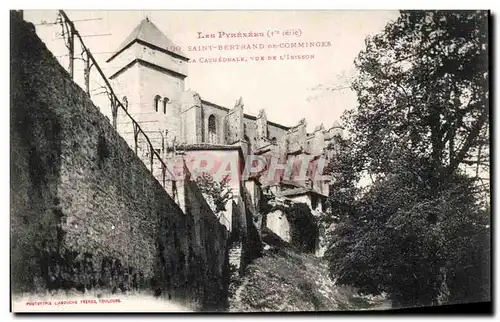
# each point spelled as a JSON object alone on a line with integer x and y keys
{"x": 115, "y": 98}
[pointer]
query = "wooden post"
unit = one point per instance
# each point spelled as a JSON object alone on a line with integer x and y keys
{"x": 71, "y": 49}
{"x": 136, "y": 133}
{"x": 86, "y": 72}
{"x": 163, "y": 173}
{"x": 151, "y": 152}
{"x": 68, "y": 34}
{"x": 175, "y": 194}
{"x": 114, "y": 109}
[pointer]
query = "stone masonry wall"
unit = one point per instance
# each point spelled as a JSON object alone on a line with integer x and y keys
{"x": 86, "y": 213}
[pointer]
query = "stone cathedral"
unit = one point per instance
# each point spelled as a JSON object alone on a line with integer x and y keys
{"x": 149, "y": 74}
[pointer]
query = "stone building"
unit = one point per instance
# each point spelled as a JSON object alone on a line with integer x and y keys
{"x": 150, "y": 73}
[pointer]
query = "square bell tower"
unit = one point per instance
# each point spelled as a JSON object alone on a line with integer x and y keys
{"x": 149, "y": 70}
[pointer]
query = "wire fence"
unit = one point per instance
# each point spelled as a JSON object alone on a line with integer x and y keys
{"x": 70, "y": 34}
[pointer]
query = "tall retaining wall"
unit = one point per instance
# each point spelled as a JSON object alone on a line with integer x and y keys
{"x": 86, "y": 213}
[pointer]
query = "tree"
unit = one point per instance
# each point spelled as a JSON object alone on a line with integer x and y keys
{"x": 217, "y": 193}
{"x": 423, "y": 86}
{"x": 420, "y": 231}
{"x": 345, "y": 171}
{"x": 399, "y": 241}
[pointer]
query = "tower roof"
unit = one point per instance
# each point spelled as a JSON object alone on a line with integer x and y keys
{"x": 147, "y": 32}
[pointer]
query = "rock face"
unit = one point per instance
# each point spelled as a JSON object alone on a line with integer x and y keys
{"x": 86, "y": 213}
{"x": 278, "y": 223}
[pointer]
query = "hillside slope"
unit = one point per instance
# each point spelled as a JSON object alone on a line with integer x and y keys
{"x": 285, "y": 280}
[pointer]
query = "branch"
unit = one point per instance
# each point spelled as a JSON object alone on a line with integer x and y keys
{"x": 469, "y": 142}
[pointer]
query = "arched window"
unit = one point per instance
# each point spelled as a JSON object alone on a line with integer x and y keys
{"x": 156, "y": 102}
{"x": 212, "y": 129}
{"x": 273, "y": 140}
{"x": 165, "y": 101}
{"x": 125, "y": 102}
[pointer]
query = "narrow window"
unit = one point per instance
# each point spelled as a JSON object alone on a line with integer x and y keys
{"x": 165, "y": 102}
{"x": 212, "y": 129}
{"x": 156, "y": 102}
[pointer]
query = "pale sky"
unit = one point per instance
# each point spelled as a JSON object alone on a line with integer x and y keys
{"x": 282, "y": 88}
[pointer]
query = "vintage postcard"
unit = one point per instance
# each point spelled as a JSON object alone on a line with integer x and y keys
{"x": 249, "y": 161}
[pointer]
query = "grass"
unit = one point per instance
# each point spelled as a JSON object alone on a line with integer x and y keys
{"x": 284, "y": 280}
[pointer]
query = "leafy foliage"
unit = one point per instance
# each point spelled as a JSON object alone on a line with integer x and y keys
{"x": 420, "y": 231}
{"x": 401, "y": 241}
{"x": 423, "y": 87}
{"x": 345, "y": 171}
{"x": 217, "y": 192}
